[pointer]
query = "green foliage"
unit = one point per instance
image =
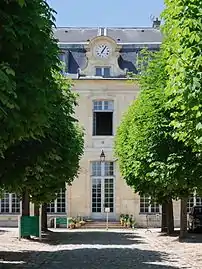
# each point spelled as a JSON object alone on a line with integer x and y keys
{"x": 150, "y": 160}
{"x": 183, "y": 51}
{"x": 44, "y": 166}
{"x": 28, "y": 54}
{"x": 40, "y": 141}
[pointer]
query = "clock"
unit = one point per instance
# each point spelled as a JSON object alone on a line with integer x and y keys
{"x": 102, "y": 51}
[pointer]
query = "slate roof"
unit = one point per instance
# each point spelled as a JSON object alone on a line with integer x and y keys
{"x": 120, "y": 35}
{"x": 72, "y": 41}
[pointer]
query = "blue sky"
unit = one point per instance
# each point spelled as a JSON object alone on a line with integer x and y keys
{"x": 106, "y": 12}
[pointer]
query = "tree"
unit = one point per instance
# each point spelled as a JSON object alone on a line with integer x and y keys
{"x": 40, "y": 141}
{"x": 151, "y": 160}
{"x": 183, "y": 52}
{"x": 28, "y": 53}
{"x": 42, "y": 167}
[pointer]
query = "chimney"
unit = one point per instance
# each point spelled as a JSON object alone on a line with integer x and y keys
{"x": 156, "y": 24}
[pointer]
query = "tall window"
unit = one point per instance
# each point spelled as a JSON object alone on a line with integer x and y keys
{"x": 192, "y": 201}
{"x": 103, "y": 117}
{"x": 102, "y": 186}
{"x": 10, "y": 204}
{"x": 59, "y": 205}
{"x": 102, "y": 72}
{"x": 147, "y": 206}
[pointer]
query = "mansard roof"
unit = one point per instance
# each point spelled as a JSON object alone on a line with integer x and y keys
{"x": 126, "y": 35}
{"x": 72, "y": 42}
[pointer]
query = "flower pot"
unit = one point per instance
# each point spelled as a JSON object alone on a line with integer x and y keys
{"x": 72, "y": 226}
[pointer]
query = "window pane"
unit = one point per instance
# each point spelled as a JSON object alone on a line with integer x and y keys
{"x": 15, "y": 203}
{"x": 61, "y": 207}
{"x": 5, "y": 203}
{"x": 51, "y": 208}
{"x": 109, "y": 193}
{"x": 60, "y": 203}
{"x": 109, "y": 168}
{"x": 106, "y": 72}
{"x": 96, "y": 199}
{"x": 96, "y": 168}
{"x": 97, "y": 105}
{"x": 98, "y": 71}
{"x": 108, "y": 105}
{"x": 147, "y": 207}
{"x": 192, "y": 201}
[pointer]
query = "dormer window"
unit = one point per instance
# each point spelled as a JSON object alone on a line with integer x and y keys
{"x": 102, "y": 72}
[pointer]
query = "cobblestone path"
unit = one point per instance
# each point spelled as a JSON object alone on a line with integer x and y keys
{"x": 99, "y": 249}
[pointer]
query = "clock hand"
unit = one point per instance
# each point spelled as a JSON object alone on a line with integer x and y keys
{"x": 103, "y": 49}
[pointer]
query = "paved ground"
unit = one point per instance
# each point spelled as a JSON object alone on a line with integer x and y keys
{"x": 112, "y": 249}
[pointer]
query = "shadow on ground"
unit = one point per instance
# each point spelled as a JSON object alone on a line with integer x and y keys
{"x": 192, "y": 237}
{"x": 91, "y": 237}
{"x": 87, "y": 258}
{"x": 89, "y": 250}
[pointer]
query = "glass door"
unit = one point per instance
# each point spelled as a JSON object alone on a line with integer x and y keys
{"x": 96, "y": 195}
{"x": 102, "y": 190}
{"x": 109, "y": 193}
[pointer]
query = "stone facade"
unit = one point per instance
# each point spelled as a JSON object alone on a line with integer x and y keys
{"x": 87, "y": 196}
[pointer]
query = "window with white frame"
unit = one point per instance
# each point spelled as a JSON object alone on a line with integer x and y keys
{"x": 103, "y": 117}
{"x": 59, "y": 205}
{"x": 102, "y": 186}
{"x": 192, "y": 201}
{"x": 148, "y": 206}
{"x": 9, "y": 204}
{"x": 102, "y": 72}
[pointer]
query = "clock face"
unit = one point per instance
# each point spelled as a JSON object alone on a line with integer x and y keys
{"x": 102, "y": 51}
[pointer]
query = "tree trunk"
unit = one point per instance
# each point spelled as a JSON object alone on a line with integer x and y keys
{"x": 25, "y": 206}
{"x": 25, "y": 203}
{"x": 164, "y": 219}
{"x": 44, "y": 223}
{"x": 183, "y": 218}
{"x": 36, "y": 210}
{"x": 169, "y": 217}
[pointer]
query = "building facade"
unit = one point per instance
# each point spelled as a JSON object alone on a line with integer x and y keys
{"x": 98, "y": 61}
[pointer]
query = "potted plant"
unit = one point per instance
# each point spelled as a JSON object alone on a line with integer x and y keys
{"x": 126, "y": 217}
{"x": 71, "y": 223}
{"x": 122, "y": 219}
{"x": 130, "y": 221}
{"x": 82, "y": 222}
{"x": 77, "y": 223}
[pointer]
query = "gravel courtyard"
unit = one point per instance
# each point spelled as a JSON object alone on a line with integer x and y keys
{"x": 100, "y": 249}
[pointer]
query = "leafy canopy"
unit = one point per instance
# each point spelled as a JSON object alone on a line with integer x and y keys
{"x": 183, "y": 52}
{"x": 28, "y": 55}
{"x": 151, "y": 161}
{"x": 42, "y": 167}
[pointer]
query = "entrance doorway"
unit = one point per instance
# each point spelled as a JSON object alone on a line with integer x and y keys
{"x": 102, "y": 189}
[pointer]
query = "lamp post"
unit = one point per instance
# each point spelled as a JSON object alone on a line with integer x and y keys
{"x": 102, "y": 156}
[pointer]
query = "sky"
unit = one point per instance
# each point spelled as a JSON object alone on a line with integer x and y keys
{"x": 103, "y": 13}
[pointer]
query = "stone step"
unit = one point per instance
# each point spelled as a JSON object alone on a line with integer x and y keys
{"x": 101, "y": 225}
